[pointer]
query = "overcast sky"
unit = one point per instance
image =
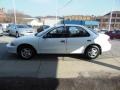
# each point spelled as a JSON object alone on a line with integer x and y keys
{"x": 76, "y": 7}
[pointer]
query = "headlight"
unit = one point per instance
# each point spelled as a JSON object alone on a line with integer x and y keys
{"x": 12, "y": 44}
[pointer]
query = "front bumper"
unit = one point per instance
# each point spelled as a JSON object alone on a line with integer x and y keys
{"x": 26, "y": 34}
{"x": 11, "y": 49}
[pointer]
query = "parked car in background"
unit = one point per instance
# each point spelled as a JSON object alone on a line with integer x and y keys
{"x": 20, "y": 30}
{"x": 1, "y": 30}
{"x": 114, "y": 34}
{"x": 62, "y": 39}
{"x": 41, "y": 28}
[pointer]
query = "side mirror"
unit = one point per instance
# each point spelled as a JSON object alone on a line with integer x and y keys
{"x": 45, "y": 36}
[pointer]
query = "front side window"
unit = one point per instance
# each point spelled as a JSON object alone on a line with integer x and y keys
{"x": 75, "y": 31}
{"x": 58, "y": 32}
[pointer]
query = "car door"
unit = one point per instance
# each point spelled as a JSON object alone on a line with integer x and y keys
{"x": 77, "y": 40}
{"x": 53, "y": 41}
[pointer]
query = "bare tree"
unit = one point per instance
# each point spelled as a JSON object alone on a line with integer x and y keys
{"x": 19, "y": 16}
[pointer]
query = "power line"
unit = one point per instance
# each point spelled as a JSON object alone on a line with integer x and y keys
{"x": 66, "y": 4}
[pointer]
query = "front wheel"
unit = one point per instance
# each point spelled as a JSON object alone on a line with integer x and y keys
{"x": 26, "y": 52}
{"x": 92, "y": 52}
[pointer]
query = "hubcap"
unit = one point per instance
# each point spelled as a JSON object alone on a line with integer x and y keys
{"x": 93, "y": 52}
{"x": 26, "y": 53}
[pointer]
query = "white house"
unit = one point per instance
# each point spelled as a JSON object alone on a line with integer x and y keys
{"x": 35, "y": 22}
{"x": 44, "y": 21}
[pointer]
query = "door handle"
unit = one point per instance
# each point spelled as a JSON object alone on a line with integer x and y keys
{"x": 89, "y": 40}
{"x": 62, "y": 41}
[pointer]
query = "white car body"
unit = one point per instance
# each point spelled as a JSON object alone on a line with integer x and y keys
{"x": 65, "y": 45}
{"x": 23, "y": 31}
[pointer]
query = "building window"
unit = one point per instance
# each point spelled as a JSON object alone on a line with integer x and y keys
{"x": 113, "y": 20}
{"x": 117, "y": 20}
{"x": 112, "y": 25}
{"x": 118, "y": 15}
{"x": 113, "y": 15}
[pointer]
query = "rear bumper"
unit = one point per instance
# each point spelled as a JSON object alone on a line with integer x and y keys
{"x": 106, "y": 47}
{"x": 11, "y": 49}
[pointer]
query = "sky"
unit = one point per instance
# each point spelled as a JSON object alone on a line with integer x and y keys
{"x": 76, "y": 7}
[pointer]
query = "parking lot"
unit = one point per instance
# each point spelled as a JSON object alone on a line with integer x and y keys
{"x": 58, "y": 66}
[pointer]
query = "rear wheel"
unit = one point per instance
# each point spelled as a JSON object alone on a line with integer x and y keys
{"x": 92, "y": 52}
{"x": 26, "y": 52}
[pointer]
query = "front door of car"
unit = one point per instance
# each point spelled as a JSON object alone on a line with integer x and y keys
{"x": 53, "y": 42}
{"x": 77, "y": 40}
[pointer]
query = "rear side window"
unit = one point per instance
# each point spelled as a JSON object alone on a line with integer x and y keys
{"x": 75, "y": 31}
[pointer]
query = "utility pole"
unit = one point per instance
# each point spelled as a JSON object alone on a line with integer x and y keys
{"x": 112, "y": 8}
{"x": 56, "y": 11}
{"x": 14, "y": 10}
{"x": 110, "y": 21}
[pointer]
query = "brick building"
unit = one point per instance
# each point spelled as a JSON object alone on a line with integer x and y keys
{"x": 115, "y": 20}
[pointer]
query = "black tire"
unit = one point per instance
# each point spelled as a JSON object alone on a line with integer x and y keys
{"x": 28, "y": 54}
{"x": 17, "y": 35}
{"x": 92, "y": 52}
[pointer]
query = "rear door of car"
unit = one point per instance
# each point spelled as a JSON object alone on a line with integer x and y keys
{"x": 77, "y": 40}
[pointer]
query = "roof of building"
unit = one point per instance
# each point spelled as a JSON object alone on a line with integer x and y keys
{"x": 114, "y": 12}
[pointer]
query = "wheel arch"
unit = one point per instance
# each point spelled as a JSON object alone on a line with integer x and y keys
{"x": 27, "y": 45}
{"x": 94, "y": 44}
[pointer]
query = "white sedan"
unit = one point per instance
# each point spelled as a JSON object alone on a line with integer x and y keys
{"x": 20, "y": 30}
{"x": 61, "y": 39}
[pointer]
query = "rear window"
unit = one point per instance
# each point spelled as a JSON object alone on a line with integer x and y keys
{"x": 94, "y": 31}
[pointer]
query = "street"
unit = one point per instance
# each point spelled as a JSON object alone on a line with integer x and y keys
{"x": 58, "y": 66}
